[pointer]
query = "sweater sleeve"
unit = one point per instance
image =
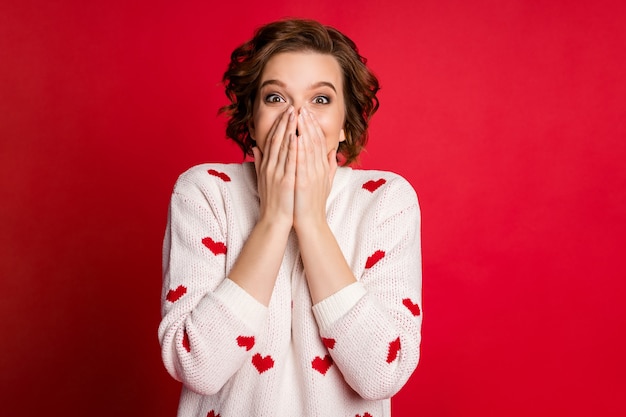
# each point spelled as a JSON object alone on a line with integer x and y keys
{"x": 372, "y": 328}
{"x": 209, "y": 323}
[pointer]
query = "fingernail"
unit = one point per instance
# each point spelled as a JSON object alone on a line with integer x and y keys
{"x": 304, "y": 111}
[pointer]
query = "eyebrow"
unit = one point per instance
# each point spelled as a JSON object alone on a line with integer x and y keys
{"x": 312, "y": 87}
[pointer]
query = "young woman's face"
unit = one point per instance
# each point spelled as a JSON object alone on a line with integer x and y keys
{"x": 300, "y": 79}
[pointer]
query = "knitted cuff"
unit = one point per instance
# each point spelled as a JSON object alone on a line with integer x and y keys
{"x": 332, "y": 308}
{"x": 242, "y": 304}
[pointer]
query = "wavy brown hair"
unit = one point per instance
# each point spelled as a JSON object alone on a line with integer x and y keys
{"x": 241, "y": 79}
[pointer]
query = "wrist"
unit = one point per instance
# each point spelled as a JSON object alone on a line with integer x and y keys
{"x": 274, "y": 224}
{"x": 310, "y": 226}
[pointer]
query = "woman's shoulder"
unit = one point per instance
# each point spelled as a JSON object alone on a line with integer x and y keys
{"x": 375, "y": 194}
{"x": 379, "y": 182}
{"x": 210, "y": 176}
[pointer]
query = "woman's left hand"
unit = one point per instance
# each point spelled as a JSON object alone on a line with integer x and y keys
{"x": 315, "y": 170}
{"x": 325, "y": 267}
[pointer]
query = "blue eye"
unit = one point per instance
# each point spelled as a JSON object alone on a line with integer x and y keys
{"x": 321, "y": 100}
{"x": 274, "y": 98}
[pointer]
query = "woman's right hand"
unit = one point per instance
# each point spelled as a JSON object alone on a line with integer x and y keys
{"x": 260, "y": 258}
{"x": 276, "y": 170}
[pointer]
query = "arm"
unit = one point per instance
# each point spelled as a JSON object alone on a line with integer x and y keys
{"x": 257, "y": 266}
{"x": 371, "y": 327}
{"x": 208, "y": 321}
{"x": 375, "y": 324}
{"x": 325, "y": 267}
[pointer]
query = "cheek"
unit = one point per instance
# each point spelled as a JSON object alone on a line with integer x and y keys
{"x": 263, "y": 120}
{"x": 260, "y": 126}
{"x": 331, "y": 123}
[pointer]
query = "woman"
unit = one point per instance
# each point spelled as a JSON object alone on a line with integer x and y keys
{"x": 292, "y": 286}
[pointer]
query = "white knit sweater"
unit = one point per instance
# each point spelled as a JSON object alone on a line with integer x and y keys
{"x": 345, "y": 356}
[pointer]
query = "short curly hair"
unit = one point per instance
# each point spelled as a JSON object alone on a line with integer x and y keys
{"x": 241, "y": 79}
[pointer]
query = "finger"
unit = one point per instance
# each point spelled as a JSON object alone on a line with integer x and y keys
{"x": 289, "y": 131}
{"x": 258, "y": 159}
{"x": 319, "y": 133}
{"x": 292, "y": 154}
{"x": 332, "y": 164}
{"x": 304, "y": 124}
{"x": 270, "y": 135}
{"x": 275, "y": 141}
{"x": 315, "y": 158}
{"x": 301, "y": 159}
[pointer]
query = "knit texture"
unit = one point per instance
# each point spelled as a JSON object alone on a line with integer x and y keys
{"x": 345, "y": 356}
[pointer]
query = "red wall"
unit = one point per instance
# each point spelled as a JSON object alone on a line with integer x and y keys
{"x": 508, "y": 117}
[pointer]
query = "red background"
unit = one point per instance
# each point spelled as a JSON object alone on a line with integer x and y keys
{"x": 506, "y": 116}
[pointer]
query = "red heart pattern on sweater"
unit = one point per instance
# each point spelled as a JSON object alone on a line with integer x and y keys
{"x": 218, "y": 248}
{"x": 413, "y": 308}
{"x": 394, "y": 348}
{"x": 322, "y": 365}
{"x": 374, "y": 258}
{"x": 212, "y": 414}
{"x": 372, "y": 185}
{"x": 174, "y": 295}
{"x": 186, "y": 343}
{"x": 329, "y": 343}
{"x": 246, "y": 342}
{"x": 364, "y": 415}
{"x": 219, "y": 175}
{"x": 261, "y": 363}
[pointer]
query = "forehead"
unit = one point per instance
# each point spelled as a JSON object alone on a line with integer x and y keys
{"x": 303, "y": 68}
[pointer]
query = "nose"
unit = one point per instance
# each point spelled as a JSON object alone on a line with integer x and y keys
{"x": 297, "y": 109}
{"x": 298, "y": 104}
